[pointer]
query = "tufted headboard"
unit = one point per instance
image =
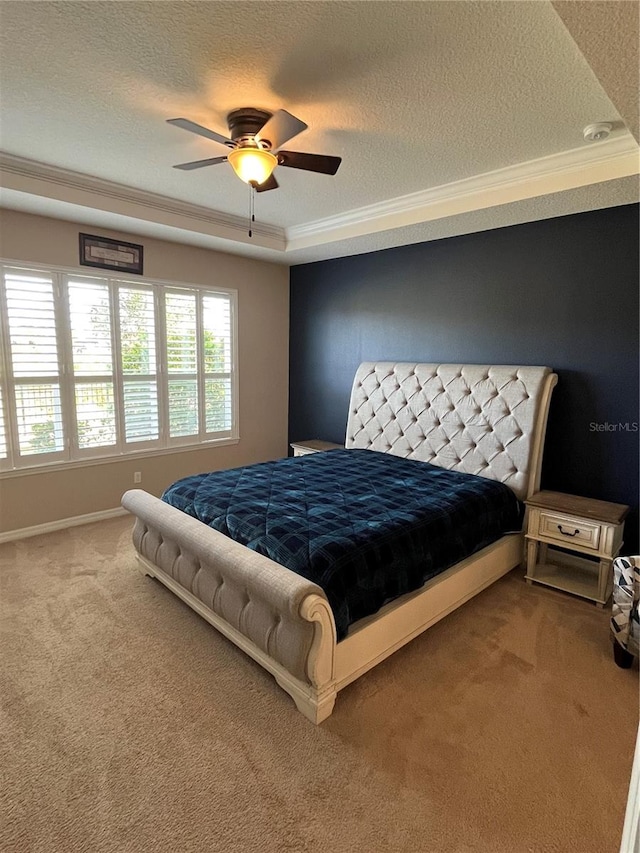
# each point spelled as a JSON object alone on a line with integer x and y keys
{"x": 480, "y": 419}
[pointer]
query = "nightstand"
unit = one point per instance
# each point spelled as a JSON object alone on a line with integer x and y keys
{"x": 589, "y": 532}
{"x": 313, "y": 445}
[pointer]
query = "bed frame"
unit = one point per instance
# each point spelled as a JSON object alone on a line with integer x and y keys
{"x": 486, "y": 420}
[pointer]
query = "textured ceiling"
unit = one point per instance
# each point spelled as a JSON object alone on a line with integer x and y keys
{"x": 412, "y": 95}
{"x": 608, "y": 35}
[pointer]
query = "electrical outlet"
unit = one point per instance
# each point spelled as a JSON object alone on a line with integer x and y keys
{"x": 137, "y": 477}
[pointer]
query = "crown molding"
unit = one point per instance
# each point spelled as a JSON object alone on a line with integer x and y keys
{"x": 29, "y": 176}
{"x": 617, "y": 157}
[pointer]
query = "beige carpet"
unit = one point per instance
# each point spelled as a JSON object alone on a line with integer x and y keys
{"x": 129, "y": 724}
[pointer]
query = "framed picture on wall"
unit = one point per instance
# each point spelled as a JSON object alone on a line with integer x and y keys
{"x": 109, "y": 254}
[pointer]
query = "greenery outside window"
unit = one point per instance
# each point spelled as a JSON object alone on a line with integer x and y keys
{"x": 95, "y": 366}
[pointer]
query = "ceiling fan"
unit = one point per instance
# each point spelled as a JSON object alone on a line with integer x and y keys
{"x": 255, "y": 137}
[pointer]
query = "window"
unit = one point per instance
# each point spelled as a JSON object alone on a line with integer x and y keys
{"x": 95, "y": 366}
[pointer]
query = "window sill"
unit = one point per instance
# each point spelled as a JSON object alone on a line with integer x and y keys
{"x": 122, "y": 457}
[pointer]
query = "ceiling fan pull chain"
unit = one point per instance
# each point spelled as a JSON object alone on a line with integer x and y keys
{"x": 252, "y": 202}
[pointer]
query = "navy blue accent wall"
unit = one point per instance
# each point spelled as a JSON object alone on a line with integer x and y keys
{"x": 561, "y": 292}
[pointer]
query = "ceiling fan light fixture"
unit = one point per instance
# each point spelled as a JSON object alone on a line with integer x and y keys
{"x": 252, "y": 165}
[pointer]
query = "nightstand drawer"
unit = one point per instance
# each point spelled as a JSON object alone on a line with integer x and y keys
{"x": 569, "y": 531}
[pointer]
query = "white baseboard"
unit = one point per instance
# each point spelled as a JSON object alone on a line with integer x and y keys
{"x": 61, "y": 524}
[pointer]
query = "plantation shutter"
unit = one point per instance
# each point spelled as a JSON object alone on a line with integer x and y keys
{"x": 3, "y": 431}
{"x": 137, "y": 329}
{"x": 92, "y": 356}
{"x": 94, "y": 366}
{"x": 34, "y": 374}
{"x": 217, "y": 361}
{"x": 182, "y": 364}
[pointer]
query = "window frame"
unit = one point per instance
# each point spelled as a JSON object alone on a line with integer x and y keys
{"x": 72, "y": 455}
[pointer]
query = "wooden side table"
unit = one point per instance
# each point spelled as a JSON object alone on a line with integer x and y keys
{"x": 589, "y": 532}
{"x": 313, "y": 445}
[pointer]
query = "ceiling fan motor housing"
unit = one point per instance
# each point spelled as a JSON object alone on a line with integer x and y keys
{"x": 245, "y": 123}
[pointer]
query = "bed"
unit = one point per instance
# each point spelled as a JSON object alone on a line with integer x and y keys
{"x": 480, "y": 420}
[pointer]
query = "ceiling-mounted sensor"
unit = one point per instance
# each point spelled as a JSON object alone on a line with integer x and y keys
{"x": 597, "y": 132}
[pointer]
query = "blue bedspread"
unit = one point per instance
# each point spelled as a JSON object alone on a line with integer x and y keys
{"x": 365, "y": 526}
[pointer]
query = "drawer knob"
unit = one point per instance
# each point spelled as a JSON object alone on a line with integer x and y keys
{"x": 567, "y": 532}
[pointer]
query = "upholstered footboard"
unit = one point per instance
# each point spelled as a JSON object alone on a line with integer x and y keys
{"x": 278, "y": 617}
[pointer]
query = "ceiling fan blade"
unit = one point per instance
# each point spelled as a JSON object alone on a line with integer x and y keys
{"x": 322, "y": 163}
{"x": 281, "y": 127}
{"x": 191, "y": 126}
{"x": 269, "y": 184}
{"x": 198, "y": 164}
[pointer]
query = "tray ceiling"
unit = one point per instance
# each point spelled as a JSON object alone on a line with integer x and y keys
{"x": 449, "y": 116}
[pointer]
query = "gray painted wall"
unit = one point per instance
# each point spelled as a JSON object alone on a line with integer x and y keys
{"x": 561, "y": 292}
